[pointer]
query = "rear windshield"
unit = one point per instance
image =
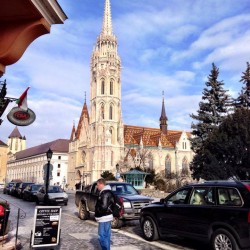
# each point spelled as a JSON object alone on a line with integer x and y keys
{"x": 55, "y": 190}
{"x": 124, "y": 189}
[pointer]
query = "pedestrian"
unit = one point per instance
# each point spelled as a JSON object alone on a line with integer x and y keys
{"x": 103, "y": 213}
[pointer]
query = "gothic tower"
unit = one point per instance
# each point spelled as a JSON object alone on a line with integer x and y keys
{"x": 16, "y": 142}
{"x": 106, "y": 126}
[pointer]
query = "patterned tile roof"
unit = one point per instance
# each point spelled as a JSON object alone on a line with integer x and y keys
{"x": 59, "y": 146}
{"x": 150, "y": 136}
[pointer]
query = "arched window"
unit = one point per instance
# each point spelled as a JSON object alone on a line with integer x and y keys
{"x": 111, "y": 87}
{"x": 110, "y": 112}
{"x": 103, "y": 87}
{"x": 167, "y": 166}
{"x": 112, "y": 133}
{"x": 102, "y": 111}
{"x": 184, "y": 170}
{"x": 150, "y": 161}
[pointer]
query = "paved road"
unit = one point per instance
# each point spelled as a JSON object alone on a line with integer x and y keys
{"x": 77, "y": 234}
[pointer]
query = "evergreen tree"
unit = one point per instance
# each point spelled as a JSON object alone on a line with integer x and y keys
{"x": 211, "y": 113}
{"x": 108, "y": 176}
{"x": 243, "y": 101}
{"x": 227, "y": 150}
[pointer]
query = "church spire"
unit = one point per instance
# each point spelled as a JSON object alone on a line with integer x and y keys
{"x": 163, "y": 119}
{"x": 107, "y": 22}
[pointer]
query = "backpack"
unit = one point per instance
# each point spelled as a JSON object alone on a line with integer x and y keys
{"x": 117, "y": 206}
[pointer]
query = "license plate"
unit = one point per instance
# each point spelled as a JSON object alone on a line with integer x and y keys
{"x": 59, "y": 200}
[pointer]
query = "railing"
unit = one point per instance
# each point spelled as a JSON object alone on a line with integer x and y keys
{"x": 20, "y": 215}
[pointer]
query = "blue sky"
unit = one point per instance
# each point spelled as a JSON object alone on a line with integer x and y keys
{"x": 164, "y": 45}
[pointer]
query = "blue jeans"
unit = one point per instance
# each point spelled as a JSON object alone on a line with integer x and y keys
{"x": 104, "y": 234}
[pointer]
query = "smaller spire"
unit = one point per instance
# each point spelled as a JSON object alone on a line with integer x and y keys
{"x": 107, "y": 22}
{"x": 163, "y": 119}
{"x": 15, "y": 133}
{"x": 73, "y": 132}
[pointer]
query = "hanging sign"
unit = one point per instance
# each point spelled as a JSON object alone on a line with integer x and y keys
{"x": 46, "y": 230}
{"x": 20, "y": 117}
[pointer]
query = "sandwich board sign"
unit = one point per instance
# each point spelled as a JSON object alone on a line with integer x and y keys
{"x": 46, "y": 229}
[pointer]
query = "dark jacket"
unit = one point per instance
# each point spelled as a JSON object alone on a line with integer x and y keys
{"x": 104, "y": 203}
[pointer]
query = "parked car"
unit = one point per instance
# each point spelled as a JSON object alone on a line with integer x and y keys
{"x": 21, "y": 187}
{"x": 14, "y": 188}
{"x": 132, "y": 201}
{"x": 55, "y": 196}
{"x": 216, "y": 211}
{"x": 7, "y": 187}
{"x": 30, "y": 191}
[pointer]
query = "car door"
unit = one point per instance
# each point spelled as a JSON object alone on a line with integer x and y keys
{"x": 172, "y": 217}
{"x": 92, "y": 197}
{"x": 199, "y": 211}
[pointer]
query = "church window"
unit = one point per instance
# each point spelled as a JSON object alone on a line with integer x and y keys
{"x": 111, "y": 88}
{"x": 112, "y": 158}
{"x": 102, "y": 111}
{"x": 110, "y": 112}
{"x": 102, "y": 87}
{"x": 167, "y": 166}
{"x": 184, "y": 170}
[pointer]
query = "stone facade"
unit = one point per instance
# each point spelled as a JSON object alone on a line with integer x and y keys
{"x": 101, "y": 142}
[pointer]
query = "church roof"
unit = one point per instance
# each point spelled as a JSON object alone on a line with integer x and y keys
{"x": 150, "y": 136}
{"x": 59, "y": 145}
{"x": 84, "y": 114}
{"x": 3, "y": 144}
{"x": 15, "y": 133}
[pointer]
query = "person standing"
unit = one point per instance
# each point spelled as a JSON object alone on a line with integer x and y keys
{"x": 103, "y": 213}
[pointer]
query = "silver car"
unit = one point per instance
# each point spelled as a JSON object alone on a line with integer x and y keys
{"x": 55, "y": 196}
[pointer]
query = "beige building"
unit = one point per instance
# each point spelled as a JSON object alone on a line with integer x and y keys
{"x": 101, "y": 142}
{"x": 28, "y": 165}
{"x": 3, "y": 161}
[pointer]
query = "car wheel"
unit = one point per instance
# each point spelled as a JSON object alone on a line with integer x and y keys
{"x": 83, "y": 213}
{"x": 223, "y": 240}
{"x": 149, "y": 229}
{"x": 116, "y": 223}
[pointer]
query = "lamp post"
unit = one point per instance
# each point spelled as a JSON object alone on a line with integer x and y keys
{"x": 49, "y": 154}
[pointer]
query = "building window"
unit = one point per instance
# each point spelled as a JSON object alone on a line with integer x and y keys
{"x": 102, "y": 87}
{"x": 111, "y": 88}
{"x": 59, "y": 157}
{"x": 102, "y": 111}
{"x": 110, "y": 112}
{"x": 184, "y": 166}
{"x": 58, "y": 173}
{"x": 59, "y": 165}
{"x": 167, "y": 166}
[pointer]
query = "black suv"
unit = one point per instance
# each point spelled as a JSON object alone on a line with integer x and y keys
{"x": 215, "y": 211}
{"x": 21, "y": 188}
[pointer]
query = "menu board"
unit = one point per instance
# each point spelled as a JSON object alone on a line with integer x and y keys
{"x": 46, "y": 230}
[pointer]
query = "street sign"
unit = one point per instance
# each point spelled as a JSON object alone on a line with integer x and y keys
{"x": 19, "y": 117}
{"x": 46, "y": 230}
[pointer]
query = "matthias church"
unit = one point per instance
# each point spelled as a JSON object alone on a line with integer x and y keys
{"x": 102, "y": 142}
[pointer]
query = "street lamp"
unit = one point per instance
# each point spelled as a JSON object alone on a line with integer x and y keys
{"x": 49, "y": 154}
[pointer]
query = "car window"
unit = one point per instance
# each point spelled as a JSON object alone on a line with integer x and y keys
{"x": 179, "y": 197}
{"x": 124, "y": 189}
{"x": 202, "y": 196}
{"x": 229, "y": 197}
{"x": 55, "y": 189}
